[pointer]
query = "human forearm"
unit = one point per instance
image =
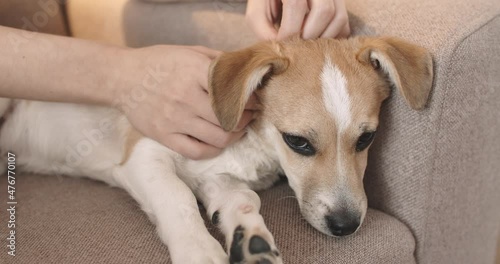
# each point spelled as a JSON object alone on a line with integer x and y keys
{"x": 52, "y": 68}
{"x": 161, "y": 89}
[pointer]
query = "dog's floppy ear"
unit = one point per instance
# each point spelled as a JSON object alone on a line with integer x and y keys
{"x": 407, "y": 67}
{"x": 234, "y": 76}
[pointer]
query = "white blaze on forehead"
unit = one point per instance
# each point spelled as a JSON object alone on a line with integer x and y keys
{"x": 335, "y": 95}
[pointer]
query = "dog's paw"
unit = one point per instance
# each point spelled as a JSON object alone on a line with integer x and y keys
{"x": 253, "y": 247}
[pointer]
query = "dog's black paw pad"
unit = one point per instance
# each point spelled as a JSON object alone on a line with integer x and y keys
{"x": 236, "y": 253}
{"x": 250, "y": 247}
{"x": 258, "y": 245}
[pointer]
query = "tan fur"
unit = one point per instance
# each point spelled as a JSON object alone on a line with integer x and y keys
{"x": 232, "y": 71}
{"x": 412, "y": 67}
{"x": 132, "y": 137}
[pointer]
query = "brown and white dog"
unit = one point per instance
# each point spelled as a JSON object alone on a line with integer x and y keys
{"x": 318, "y": 113}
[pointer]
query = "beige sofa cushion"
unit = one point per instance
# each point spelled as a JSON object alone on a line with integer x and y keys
{"x": 68, "y": 220}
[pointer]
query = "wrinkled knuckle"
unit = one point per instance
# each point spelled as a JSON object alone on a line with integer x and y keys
{"x": 180, "y": 96}
{"x": 176, "y": 99}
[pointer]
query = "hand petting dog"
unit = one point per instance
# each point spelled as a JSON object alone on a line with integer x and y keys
{"x": 179, "y": 114}
{"x": 309, "y": 18}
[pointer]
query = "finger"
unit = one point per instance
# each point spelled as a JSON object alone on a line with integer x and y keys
{"x": 251, "y": 103}
{"x": 339, "y": 21}
{"x": 202, "y": 107}
{"x": 235, "y": 136}
{"x": 264, "y": 30}
{"x": 294, "y": 12}
{"x": 318, "y": 19}
{"x": 202, "y": 76}
{"x": 210, "y": 133}
{"x": 244, "y": 121}
{"x": 259, "y": 18}
{"x": 346, "y": 32}
{"x": 191, "y": 148}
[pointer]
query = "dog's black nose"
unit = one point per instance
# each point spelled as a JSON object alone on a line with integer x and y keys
{"x": 342, "y": 222}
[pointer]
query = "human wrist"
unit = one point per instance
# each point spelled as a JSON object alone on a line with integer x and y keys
{"x": 119, "y": 76}
{"x": 136, "y": 73}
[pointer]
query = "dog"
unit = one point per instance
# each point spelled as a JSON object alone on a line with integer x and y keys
{"x": 318, "y": 112}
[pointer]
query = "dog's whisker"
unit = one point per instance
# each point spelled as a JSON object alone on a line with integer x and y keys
{"x": 295, "y": 198}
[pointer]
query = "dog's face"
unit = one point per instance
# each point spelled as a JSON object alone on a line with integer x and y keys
{"x": 320, "y": 102}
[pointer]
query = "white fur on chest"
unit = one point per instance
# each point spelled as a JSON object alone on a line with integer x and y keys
{"x": 252, "y": 160}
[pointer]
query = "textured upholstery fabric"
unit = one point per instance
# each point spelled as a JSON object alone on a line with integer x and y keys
{"x": 68, "y": 220}
{"x": 465, "y": 152}
{"x": 35, "y": 15}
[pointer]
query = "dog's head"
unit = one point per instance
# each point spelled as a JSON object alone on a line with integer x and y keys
{"x": 320, "y": 103}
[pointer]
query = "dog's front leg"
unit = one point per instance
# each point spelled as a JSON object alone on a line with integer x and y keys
{"x": 234, "y": 208}
{"x": 149, "y": 176}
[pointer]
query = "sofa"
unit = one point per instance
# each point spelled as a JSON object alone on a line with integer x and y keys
{"x": 432, "y": 181}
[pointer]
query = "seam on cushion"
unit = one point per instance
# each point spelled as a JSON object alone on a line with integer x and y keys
{"x": 448, "y": 59}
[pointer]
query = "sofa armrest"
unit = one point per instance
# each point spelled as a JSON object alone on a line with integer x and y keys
{"x": 435, "y": 170}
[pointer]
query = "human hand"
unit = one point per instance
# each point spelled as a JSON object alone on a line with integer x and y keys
{"x": 309, "y": 18}
{"x": 177, "y": 111}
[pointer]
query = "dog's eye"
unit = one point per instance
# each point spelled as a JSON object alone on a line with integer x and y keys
{"x": 364, "y": 141}
{"x": 299, "y": 144}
